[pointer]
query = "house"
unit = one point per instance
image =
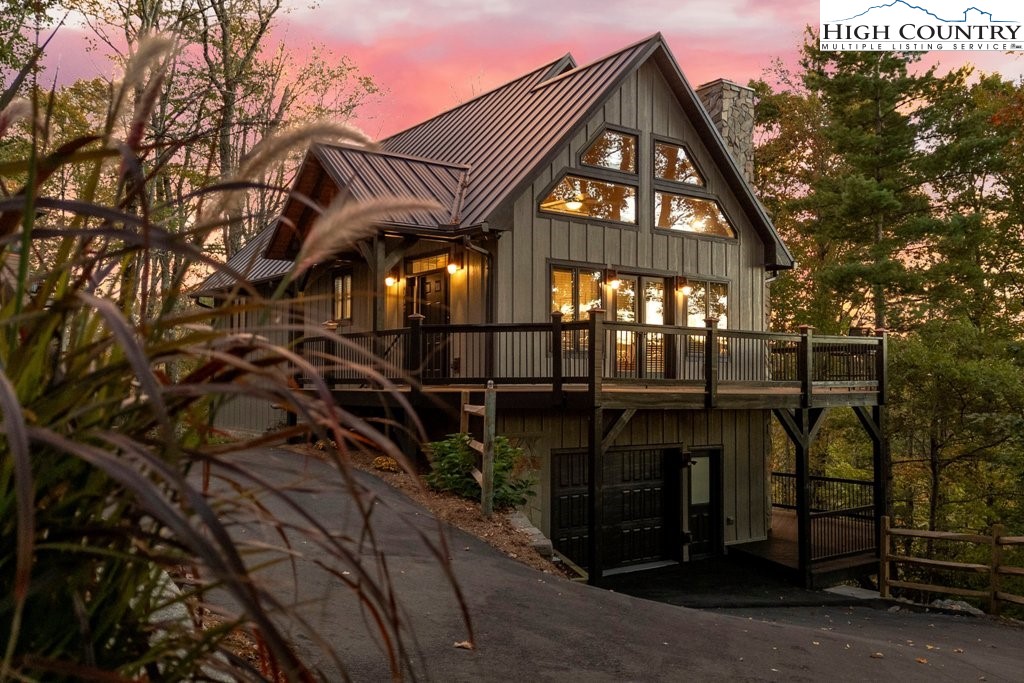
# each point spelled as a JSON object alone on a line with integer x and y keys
{"x": 598, "y": 252}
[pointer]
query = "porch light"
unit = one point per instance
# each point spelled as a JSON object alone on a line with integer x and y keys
{"x": 576, "y": 203}
{"x": 454, "y": 260}
{"x": 391, "y": 280}
{"x": 683, "y": 285}
{"x": 612, "y": 278}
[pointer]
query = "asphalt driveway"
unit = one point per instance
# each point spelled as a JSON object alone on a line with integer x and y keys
{"x": 530, "y": 626}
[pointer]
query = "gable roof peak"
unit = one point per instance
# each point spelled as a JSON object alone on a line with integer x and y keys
{"x": 560, "y": 66}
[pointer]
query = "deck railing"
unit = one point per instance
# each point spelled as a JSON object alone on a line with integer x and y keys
{"x": 558, "y": 353}
{"x": 842, "y": 513}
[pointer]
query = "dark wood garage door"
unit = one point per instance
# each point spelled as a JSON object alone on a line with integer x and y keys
{"x": 641, "y": 506}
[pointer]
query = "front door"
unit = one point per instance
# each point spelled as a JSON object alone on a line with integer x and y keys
{"x": 640, "y": 300}
{"x": 428, "y": 296}
{"x": 704, "y": 503}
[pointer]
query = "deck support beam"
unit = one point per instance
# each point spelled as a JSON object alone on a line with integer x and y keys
{"x": 802, "y": 426}
{"x": 873, "y": 419}
{"x": 624, "y": 417}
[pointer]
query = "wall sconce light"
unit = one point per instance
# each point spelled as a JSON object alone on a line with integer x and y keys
{"x": 391, "y": 280}
{"x": 454, "y": 260}
{"x": 612, "y": 278}
{"x": 683, "y": 285}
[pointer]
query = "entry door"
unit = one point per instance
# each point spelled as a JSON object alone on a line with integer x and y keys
{"x": 429, "y": 297}
{"x": 704, "y": 502}
{"x": 640, "y": 300}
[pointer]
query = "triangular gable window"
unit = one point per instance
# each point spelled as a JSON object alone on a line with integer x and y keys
{"x": 672, "y": 163}
{"x": 612, "y": 149}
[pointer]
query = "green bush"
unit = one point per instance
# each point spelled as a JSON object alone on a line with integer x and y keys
{"x": 451, "y": 469}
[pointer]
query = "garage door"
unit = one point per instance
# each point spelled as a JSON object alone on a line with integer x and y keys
{"x": 641, "y": 506}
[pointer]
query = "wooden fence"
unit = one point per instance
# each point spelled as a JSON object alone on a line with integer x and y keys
{"x": 994, "y": 570}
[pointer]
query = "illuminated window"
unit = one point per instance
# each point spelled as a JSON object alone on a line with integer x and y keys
{"x": 586, "y": 198}
{"x": 691, "y": 214}
{"x": 343, "y": 296}
{"x": 672, "y": 163}
{"x": 613, "y": 150}
{"x": 427, "y": 264}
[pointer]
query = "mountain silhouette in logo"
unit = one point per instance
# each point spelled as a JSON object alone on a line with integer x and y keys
{"x": 911, "y": 12}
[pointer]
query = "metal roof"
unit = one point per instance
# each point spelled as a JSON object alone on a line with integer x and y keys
{"x": 366, "y": 175}
{"x": 249, "y": 262}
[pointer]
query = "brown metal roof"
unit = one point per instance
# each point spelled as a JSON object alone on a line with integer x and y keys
{"x": 506, "y": 133}
{"x": 366, "y": 175}
{"x": 248, "y": 262}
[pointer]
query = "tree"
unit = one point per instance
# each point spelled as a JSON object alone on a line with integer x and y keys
{"x": 226, "y": 88}
{"x": 957, "y": 425}
{"x": 859, "y": 199}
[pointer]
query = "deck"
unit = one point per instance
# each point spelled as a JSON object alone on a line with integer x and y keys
{"x": 783, "y": 555}
{"x": 611, "y": 364}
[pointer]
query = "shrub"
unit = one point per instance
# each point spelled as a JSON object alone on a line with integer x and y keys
{"x": 451, "y": 469}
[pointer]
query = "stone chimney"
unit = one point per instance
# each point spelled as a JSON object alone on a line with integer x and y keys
{"x": 731, "y": 107}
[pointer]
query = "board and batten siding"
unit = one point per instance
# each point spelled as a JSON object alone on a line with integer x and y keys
{"x": 645, "y": 103}
{"x": 741, "y": 434}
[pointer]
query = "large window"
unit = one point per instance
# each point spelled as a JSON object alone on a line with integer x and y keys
{"x": 585, "y": 197}
{"x": 691, "y": 214}
{"x": 343, "y": 297}
{"x": 609, "y": 191}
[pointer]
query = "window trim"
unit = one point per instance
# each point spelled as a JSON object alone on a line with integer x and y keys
{"x": 622, "y": 130}
{"x": 594, "y": 174}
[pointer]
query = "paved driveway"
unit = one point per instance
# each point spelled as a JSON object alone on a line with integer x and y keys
{"x": 533, "y": 627}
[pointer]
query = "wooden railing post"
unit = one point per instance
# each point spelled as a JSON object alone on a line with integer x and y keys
{"x": 487, "y": 487}
{"x": 556, "y": 356}
{"x": 996, "y": 564}
{"x": 595, "y": 359}
{"x": 881, "y": 365}
{"x": 883, "y": 560}
{"x": 711, "y": 363}
{"x": 805, "y": 365}
{"x": 414, "y": 364}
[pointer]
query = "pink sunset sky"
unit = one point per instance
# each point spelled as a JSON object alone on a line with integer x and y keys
{"x": 430, "y": 55}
